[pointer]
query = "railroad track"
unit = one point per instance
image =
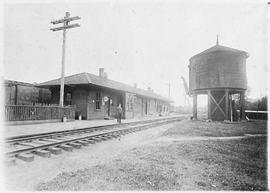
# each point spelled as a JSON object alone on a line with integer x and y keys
{"x": 26, "y": 147}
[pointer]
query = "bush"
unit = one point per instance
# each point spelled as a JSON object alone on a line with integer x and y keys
{"x": 259, "y": 105}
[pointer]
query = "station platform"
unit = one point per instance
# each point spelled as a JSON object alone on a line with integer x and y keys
{"x": 19, "y": 130}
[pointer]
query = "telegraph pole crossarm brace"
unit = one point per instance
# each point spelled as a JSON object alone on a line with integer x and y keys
{"x": 66, "y": 26}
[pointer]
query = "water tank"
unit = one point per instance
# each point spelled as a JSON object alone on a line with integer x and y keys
{"x": 218, "y": 67}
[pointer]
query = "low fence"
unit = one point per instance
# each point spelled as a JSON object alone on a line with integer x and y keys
{"x": 30, "y": 112}
{"x": 262, "y": 115}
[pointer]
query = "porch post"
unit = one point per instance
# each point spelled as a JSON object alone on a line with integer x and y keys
{"x": 16, "y": 95}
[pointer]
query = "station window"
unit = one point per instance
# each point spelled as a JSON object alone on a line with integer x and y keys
{"x": 98, "y": 100}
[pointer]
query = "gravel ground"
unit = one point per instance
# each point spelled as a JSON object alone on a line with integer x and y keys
{"x": 145, "y": 161}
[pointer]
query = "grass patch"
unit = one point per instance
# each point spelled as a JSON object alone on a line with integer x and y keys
{"x": 216, "y": 129}
{"x": 234, "y": 164}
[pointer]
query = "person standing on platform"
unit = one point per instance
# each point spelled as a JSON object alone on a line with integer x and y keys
{"x": 119, "y": 113}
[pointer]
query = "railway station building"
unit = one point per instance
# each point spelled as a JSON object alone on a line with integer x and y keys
{"x": 97, "y": 97}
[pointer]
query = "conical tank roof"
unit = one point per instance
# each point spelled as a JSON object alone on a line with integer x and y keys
{"x": 217, "y": 48}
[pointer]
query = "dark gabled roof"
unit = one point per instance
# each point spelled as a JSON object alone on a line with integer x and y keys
{"x": 220, "y": 48}
{"x": 87, "y": 78}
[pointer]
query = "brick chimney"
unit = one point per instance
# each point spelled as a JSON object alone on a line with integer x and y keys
{"x": 102, "y": 74}
{"x": 135, "y": 85}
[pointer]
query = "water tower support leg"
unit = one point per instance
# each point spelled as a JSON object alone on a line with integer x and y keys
{"x": 209, "y": 104}
{"x": 242, "y": 106}
{"x": 194, "y": 106}
{"x": 227, "y": 105}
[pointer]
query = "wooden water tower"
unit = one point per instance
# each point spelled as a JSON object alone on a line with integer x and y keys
{"x": 218, "y": 72}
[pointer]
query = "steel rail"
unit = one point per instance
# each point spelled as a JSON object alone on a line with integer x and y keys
{"x": 114, "y": 132}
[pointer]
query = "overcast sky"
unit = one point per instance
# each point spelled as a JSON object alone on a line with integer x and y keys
{"x": 143, "y": 42}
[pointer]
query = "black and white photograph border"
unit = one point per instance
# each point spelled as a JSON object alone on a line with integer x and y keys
{"x": 133, "y": 95}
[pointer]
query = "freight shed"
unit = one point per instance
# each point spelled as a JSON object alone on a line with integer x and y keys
{"x": 97, "y": 97}
{"x": 220, "y": 73}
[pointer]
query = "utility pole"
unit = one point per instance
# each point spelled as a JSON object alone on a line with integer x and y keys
{"x": 65, "y": 26}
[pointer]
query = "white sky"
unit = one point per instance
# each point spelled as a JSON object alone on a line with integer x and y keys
{"x": 136, "y": 42}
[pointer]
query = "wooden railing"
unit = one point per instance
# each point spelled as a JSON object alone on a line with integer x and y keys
{"x": 30, "y": 112}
